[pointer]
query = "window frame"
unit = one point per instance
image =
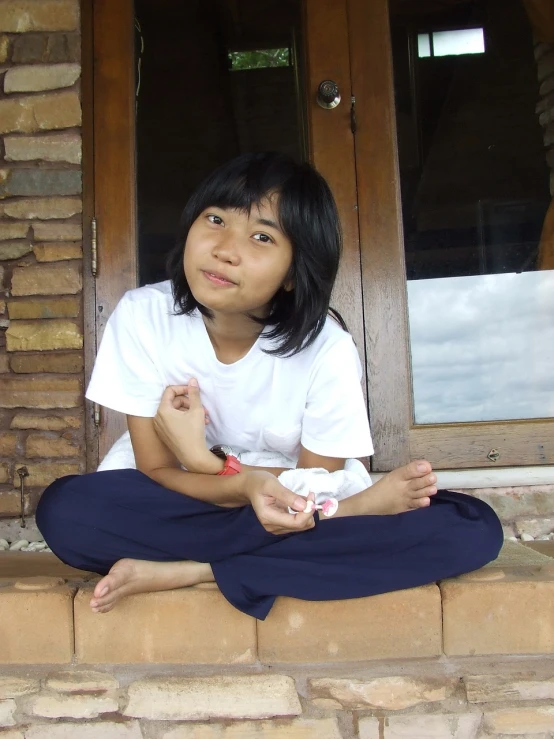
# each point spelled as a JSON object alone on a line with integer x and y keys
{"x": 397, "y": 438}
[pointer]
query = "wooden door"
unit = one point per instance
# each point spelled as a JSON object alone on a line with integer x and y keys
{"x": 325, "y": 39}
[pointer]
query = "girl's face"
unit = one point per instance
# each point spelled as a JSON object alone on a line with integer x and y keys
{"x": 235, "y": 262}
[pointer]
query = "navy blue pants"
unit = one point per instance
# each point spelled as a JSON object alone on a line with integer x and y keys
{"x": 92, "y": 521}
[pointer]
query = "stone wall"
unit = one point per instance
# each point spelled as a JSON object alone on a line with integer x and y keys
{"x": 41, "y": 341}
{"x": 526, "y": 512}
{"x": 100, "y": 705}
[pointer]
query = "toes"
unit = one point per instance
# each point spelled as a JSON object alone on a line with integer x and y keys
{"x": 111, "y": 598}
{"x": 419, "y": 468}
{"x": 101, "y": 602}
{"x": 421, "y": 503}
{"x": 102, "y": 587}
{"x": 105, "y": 595}
{"x": 103, "y": 609}
{"x": 422, "y": 483}
{"x": 423, "y": 492}
{"x": 97, "y": 603}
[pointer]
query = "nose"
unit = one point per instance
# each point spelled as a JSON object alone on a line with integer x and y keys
{"x": 226, "y": 249}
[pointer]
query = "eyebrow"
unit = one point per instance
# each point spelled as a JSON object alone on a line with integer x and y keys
{"x": 267, "y": 222}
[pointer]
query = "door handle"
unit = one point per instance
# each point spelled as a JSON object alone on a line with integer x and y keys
{"x": 328, "y": 95}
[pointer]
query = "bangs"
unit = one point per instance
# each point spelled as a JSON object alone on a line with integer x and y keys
{"x": 243, "y": 184}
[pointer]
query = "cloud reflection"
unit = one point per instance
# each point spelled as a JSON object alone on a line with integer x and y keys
{"x": 483, "y": 347}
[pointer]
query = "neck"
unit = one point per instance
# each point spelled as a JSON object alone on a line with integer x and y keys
{"x": 232, "y": 336}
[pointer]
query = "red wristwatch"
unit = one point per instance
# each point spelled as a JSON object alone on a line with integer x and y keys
{"x": 232, "y": 465}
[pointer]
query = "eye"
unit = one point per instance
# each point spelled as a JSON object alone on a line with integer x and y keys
{"x": 217, "y": 220}
{"x": 264, "y": 238}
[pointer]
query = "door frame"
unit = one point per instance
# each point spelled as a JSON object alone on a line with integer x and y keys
{"x": 371, "y": 290}
{"x": 113, "y": 199}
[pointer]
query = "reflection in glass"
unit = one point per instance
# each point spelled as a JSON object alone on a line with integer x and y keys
{"x": 462, "y": 41}
{"x": 482, "y": 347}
{"x": 216, "y": 80}
{"x": 451, "y": 43}
{"x": 260, "y": 59}
{"x": 423, "y": 44}
{"x": 475, "y": 193}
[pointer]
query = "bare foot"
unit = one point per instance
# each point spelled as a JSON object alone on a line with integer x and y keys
{"x": 404, "y": 489}
{"x": 130, "y": 576}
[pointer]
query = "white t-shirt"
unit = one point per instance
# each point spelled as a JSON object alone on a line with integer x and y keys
{"x": 260, "y": 403}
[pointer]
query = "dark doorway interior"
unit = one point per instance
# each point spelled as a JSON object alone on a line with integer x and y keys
{"x": 215, "y": 78}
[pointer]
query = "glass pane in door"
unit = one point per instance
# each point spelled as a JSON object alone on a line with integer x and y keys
{"x": 215, "y": 78}
{"x": 472, "y": 102}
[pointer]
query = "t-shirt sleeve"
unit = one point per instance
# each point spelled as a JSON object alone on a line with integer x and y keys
{"x": 125, "y": 376}
{"x": 335, "y": 422}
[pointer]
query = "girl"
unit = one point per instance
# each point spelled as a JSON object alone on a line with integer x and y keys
{"x": 236, "y": 352}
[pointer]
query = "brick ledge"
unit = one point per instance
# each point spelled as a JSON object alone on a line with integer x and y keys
{"x": 503, "y": 609}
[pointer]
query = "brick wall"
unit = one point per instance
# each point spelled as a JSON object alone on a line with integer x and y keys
{"x": 41, "y": 338}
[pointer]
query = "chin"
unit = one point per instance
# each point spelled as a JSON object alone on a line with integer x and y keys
{"x": 215, "y": 306}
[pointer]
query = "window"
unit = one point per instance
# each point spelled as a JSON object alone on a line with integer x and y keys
{"x": 458, "y": 301}
{"x": 451, "y": 43}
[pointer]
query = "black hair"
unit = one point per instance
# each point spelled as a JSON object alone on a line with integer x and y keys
{"x": 308, "y": 217}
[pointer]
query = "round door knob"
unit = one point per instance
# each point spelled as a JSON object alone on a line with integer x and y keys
{"x": 328, "y": 95}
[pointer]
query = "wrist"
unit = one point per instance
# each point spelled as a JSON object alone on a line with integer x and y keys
{"x": 247, "y": 486}
{"x": 254, "y": 483}
{"x": 231, "y": 461}
{"x": 207, "y": 464}
{"x": 239, "y": 485}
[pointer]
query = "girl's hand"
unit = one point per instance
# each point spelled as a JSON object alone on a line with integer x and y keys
{"x": 182, "y": 402}
{"x": 270, "y": 501}
{"x": 180, "y": 423}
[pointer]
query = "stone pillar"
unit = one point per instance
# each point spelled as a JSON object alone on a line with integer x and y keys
{"x": 41, "y": 336}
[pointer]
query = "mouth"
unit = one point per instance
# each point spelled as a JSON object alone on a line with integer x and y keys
{"x": 217, "y": 279}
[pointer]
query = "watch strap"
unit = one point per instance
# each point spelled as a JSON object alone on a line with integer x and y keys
{"x": 231, "y": 466}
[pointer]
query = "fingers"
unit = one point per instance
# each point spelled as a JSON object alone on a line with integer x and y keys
{"x": 275, "y": 517}
{"x": 182, "y": 403}
{"x": 194, "y": 394}
{"x": 288, "y": 498}
{"x": 303, "y": 520}
{"x": 281, "y": 522}
{"x": 171, "y": 393}
{"x": 174, "y": 391}
{"x": 287, "y": 523}
{"x": 183, "y": 397}
{"x": 309, "y": 504}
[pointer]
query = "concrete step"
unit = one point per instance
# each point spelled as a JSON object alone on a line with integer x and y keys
{"x": 506, "y": 608}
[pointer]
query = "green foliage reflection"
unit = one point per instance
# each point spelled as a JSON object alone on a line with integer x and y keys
{"x": 259, "y": 59}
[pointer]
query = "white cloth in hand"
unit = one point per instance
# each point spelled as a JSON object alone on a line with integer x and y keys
{"x": 339, "y": 485}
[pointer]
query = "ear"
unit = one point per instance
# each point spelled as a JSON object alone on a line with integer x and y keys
{"x": 288, "y": 286}
{"x": 288, "y": 283}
